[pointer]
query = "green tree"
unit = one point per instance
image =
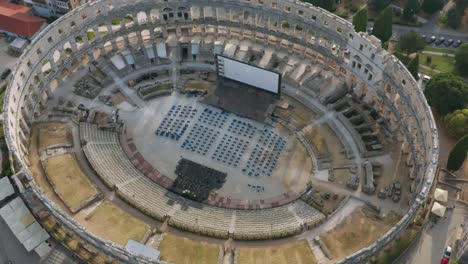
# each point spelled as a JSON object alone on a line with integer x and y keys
{"x": 458, "y": 154}
{"x": 446, "y": 93}
{"x": 432, "y": 6}
{"x": 325, "y": 4}
{"x": 360, "y": 20}
{"x": 383, "y": 25}
{"x": 411, "y": 8}
{"x": 411, "y": 42}
{"x": 378, "y": 5}
{"x": 461, "y": 59}
{"x": 454, "y": 17}
{"x": 413, "y": 67}
{"x": 457, "y": 122}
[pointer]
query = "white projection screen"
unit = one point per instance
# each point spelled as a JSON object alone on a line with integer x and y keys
{"x": 248, "y": 74}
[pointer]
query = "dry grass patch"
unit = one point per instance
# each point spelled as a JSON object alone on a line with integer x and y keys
{"x": 112, "y": 223}
{"x": 358, "y": 230}
{"x": 194, "y": 252}
{"x": 69, "y": 182}
{"x": 293, "y": 253}
{"x": 54, "y": 134}
{"x": 317, "y": 141}
{"x": 198, "y": 85}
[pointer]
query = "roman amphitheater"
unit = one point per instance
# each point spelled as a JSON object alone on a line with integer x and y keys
{"x": 124, "y": 126}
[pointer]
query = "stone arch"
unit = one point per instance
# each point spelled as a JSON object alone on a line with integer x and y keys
{"x": 103, "y": 29}
{"x": 56, "y": 56}
{"x": 108, "y": 47}
{"x": 96, "y": 53}
{"x": 142, "y": 18}
{"x": 53, "y": 85}
{"x": 120, "y": 42}
{"x": 146, "y": 35}
{"x": 154, "y": 15}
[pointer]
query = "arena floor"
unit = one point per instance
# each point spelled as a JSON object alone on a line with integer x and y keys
{"x": 292, "y": 171}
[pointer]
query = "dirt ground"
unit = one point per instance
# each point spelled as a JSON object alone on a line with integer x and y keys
{"x": 112, "y": 223}
{"x": 69, "y": 182}
{"x": 198, "y": 85}
{"x": 118, "y": 98}
{"x": 293, "y": 253}
{"x": 38, "y": 174}
{"x": 358, "y": 230}
{"x": 317, "y": 140}
{"x": 297, "y": 173}
{"x": 54, "y": 134}
{"x": 334, "y": 145}
{"x": 297, "y": 114}
{"x": 194, "y": 252}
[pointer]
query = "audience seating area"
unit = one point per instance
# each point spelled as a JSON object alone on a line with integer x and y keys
{"x": 213, "y": 118}
{"x": 176, "y": 122}
{"x": 230, "y": 150}
{"x": 263, "y": 158}
{"x": 200, "y": 139}
{"x": 242, "y": 128}
{"x": 117, "y": 171}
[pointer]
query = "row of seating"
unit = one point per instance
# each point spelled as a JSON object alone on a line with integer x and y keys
{"x": 200, "y": 139}
{"x": 213, "y": 118}
{"x": 90, "y": 132}
{"x": 230, "y": 150}
{"x": 111, "y": 163}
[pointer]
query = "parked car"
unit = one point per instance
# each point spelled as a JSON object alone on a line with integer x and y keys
{"x": 446, "y": 258}
{"x": 440, "y": 41}
{"x": 431, "y": 39}
{"x": 449, "y": 42}
{"x": 5, "y": 73}
{"x": 457, "y": 43}
{"x": 426, "y": 78}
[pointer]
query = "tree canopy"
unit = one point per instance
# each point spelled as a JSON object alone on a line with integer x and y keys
{"x": 432, "y": 6}
{"x": 458, "y": 154}
{"x": 446, "y": 93}
{"x": 411, "y": 8}
{"x": 413, "y": 67}
{"x": 378, "y": 5}
{"x": 457, "y": 122}
{"x": 383, "y": 25}
{"x": 325, "y": 4}
{"x": 461, "y": 59}
{"x": 360, "y": 20}
{"x": 411, "y": 42}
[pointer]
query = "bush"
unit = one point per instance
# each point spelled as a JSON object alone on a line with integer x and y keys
{"x": 458, "y": 154}
{"x": 446, "y": 93}
{"x": 457, "y": 123}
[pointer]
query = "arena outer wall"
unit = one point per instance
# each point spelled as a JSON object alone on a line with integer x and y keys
{"x": 381, "y": 80}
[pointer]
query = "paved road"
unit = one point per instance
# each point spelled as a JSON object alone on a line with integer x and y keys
{"x": 430, "y": 247}
{"x": 12, "y": 249}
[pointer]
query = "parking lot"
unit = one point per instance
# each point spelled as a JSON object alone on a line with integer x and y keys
{"x": 6, "y": 61}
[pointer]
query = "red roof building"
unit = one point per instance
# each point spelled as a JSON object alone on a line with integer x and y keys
{"x": 16, "y": 20}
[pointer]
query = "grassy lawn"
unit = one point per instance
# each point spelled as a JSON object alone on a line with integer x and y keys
{"x": 427, "y": 71}
{"x": 293, "y": 253}
{"x": 441, "y": 63}
{"x": 114, "y": 224}
{"x": 156, "y": 88}
{"x": 441, "y": 50}
{"x": 69, "y": 182}
{"x": 54, "y": 134}
{"x": 194, "y": 252}
{"x": 400, "y": 245}
{"x": 2, "y": 96}
{"x": 358, "y": 230}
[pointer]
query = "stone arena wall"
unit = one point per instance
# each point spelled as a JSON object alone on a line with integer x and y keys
{"x": 374, "y": 75}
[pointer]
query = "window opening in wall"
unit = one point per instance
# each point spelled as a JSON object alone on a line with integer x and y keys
{"x": 300, "y": 12}
{"x": 359, "y": 66}
{"x": 361, "y": 47}
{"x": 314, "y": 18}
{"x": 274, "y": 5}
